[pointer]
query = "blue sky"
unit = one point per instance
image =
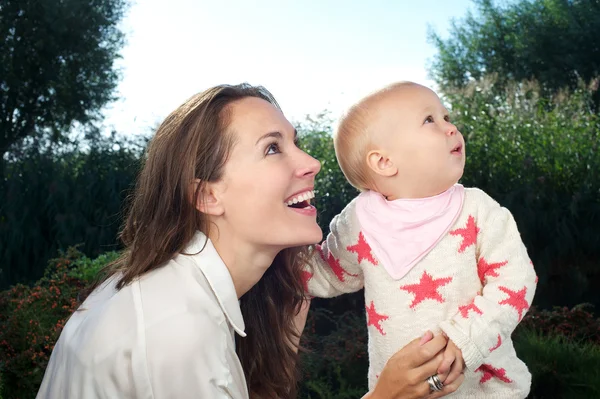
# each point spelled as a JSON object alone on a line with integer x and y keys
{"x": 312, "y": 55}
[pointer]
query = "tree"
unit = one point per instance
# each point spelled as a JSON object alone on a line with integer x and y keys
{"x": 555, "y": 42}
{"x": 56, "y": 65}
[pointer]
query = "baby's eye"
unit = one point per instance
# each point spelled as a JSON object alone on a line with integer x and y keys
{"x": 447, "y": 118}
{"x": 273, "y": 148}
{"x": 429, "y": 119}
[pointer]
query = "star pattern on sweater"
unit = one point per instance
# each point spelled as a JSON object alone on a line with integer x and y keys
{"x": 489, "y": 372}
{"x": 374, "y": 318}
{"x": 427, "y": 288}
{"x": 493, "y": 348}
{"x": 305, "y": 275}
{"x": 464, "y": 310}
{"x": 468, "y": 233}
{"x": 516, "y": 299}
{"x": 362, "y": 249}
{"x": 335, "y": 265}
{"x": 485, "y": 269}
{"x": 536, "y": 276}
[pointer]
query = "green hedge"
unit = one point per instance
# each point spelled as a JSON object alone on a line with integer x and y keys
{"x": 536, "y": 156}
{"x": 539, "y": 157}
{"x": 32, "y": 317}
{"x": 50, "y": 201}
{"x": 335, "y": 365}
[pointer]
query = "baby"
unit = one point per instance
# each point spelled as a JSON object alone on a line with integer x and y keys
{"x": 430, "y": 254}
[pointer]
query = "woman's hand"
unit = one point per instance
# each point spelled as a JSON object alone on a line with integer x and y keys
{"x": 406, "y": 372}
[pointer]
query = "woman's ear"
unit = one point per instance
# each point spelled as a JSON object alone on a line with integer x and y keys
{"x": 380, "y": 164}
{"x": 207, "y": 198}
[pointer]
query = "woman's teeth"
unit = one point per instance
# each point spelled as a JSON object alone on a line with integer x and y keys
{"x": 301, "y": 197}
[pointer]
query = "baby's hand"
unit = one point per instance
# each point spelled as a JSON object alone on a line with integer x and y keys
{"x": 452, "y": 363}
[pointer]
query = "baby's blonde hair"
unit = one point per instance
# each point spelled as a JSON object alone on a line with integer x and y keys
{"x": 353, "y": 138}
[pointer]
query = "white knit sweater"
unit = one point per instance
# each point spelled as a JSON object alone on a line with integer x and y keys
{"x": 476, "y": 285}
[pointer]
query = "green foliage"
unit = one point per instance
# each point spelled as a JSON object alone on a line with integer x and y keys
{"x": 89, "y": 270}
{"x": 332, "y": 190}
{"x": 577, "y": 324}
{"x": 336, "y": 363}
{"x": 561, "y": 359}
{"x": 560, "y": 368}
{"x": 32, "y": 317}
{"x": 555, "y": 42}
{"x": 554, "y": 344}
{"x": 332, "y": 387}
{"x": 538, "y": 157}
{"x": 51, "y": 201}
{"x": 56, "y": 65}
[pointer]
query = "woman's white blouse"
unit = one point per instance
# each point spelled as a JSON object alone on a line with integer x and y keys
{"x": 169, "y": 334}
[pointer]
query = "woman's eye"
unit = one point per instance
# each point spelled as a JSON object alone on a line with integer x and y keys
{"x": 273, "y": 148}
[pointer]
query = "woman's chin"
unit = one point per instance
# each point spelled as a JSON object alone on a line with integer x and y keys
{"x": 309, "y": 236}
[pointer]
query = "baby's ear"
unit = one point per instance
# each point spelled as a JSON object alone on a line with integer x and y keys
{"x": 381, "y": 164}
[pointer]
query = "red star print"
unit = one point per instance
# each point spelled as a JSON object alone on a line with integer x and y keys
{"x": 489, "y": 372}
{"x": 427, "y": 288}
{"x": 493, "y": 348}
{"x": 464, "y": 310}
{"x": 306, "y": 275}
{"x": 536, "y": 277}
{"x": 362, "y": 249}
{"x": 485, "y": 269}
{"x": 375, "y": 318}
{"x": 468, "y": 233}
{"x": 334, "y": 263}
{"x": 516, "y": 299}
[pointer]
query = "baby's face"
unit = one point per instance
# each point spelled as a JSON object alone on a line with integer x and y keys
{"x": 413, "y": 127}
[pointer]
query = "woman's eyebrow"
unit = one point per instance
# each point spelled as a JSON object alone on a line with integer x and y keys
{"x": 268, "y": 135}
{"x": 276, "y": 135}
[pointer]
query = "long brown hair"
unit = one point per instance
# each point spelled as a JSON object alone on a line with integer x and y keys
{"x": 193, "y": 143}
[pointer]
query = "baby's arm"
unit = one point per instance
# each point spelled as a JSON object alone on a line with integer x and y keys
{"x": 334, "y": 268}
{"x": 508, "y": 281}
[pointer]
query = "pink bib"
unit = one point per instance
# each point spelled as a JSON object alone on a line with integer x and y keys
{"x": 401, "y": 232}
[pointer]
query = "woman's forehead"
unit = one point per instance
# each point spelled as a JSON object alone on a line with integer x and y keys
{"x": 256, "y": 117}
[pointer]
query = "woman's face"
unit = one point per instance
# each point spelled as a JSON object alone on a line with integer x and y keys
{"x": 265, "y": 174}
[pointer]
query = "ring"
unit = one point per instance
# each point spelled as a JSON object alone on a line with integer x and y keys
{"x": 435, "y": 385}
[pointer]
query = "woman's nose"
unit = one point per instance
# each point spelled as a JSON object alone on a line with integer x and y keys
{"x": 308, "y": 166}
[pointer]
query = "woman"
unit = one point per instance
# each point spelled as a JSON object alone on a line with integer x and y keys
{"x": 210, "y": 224}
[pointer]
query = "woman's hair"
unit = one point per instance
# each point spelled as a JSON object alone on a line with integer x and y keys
{"x": 194, "y": 143}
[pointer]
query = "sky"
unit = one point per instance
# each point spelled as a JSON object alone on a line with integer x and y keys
{"x": 312, "y": 55}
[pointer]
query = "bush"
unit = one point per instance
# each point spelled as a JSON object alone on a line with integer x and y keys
{"x": 577, "y": 324}
{"x": 332, "y": 190}
{"x": 539, "y": 157}
{"x": 560, "y": 368}
{"x": 560, "y": 347}
{"x": 336, "y": 364}
{"x": 50, "y": 201}
{"x": 32, "y": 318}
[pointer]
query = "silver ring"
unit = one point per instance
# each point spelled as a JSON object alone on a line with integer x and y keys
{"x": 435, "y": 385}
